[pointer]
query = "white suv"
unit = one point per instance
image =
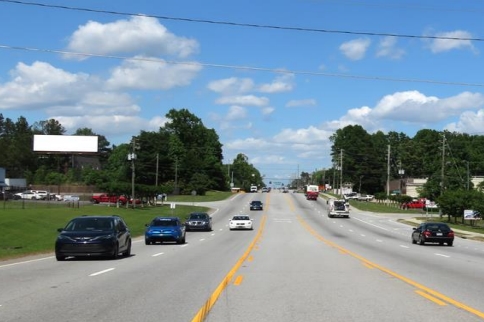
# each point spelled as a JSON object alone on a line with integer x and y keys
{"x": 41, "y": 194}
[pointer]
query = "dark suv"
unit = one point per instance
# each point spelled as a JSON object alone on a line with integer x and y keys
{"x": 199, "y": 221}
{"x": 93, "y": 236}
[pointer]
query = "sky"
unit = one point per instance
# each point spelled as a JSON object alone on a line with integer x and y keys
{"x": 274, "y": 79}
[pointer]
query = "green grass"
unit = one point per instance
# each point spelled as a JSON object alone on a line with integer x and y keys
{"x": 31, "y": 227}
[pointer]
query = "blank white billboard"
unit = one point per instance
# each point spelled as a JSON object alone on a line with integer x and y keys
{"x": 65, "y": 143}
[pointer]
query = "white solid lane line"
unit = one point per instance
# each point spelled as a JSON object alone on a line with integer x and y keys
{"x": 102, "y": 272}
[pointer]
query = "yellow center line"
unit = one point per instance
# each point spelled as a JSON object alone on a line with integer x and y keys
{"x": 420, "y": 287}
{"x": 205, "y": 309}
{"x": 430, "y": 297}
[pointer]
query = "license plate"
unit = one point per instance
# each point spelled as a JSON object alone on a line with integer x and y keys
{"x": 440, "y": 234}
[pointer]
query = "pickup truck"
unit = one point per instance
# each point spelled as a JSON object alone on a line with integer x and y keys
{"x": 107, "y": 198}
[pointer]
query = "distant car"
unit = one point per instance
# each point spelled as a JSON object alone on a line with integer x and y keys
{"x": 88, "y": 236}
{"x": 71, "y": 198}
{"x": 256, "y": 205}
{"x": 199, "y": 221}
{"x": 264, "y": 189}
{"x": 240, "y": 222}
{"x": 351, "y": 195}
{"x": 29, "y": 194}
{"x": 163, "y": 229}
{"x": 433, "y": 232}
{"x": 253, "y": 189}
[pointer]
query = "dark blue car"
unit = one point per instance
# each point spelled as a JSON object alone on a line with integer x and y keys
{"x": 89, "y": 236}
{"x": 163, "y": 229}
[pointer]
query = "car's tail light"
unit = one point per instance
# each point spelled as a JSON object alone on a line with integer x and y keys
{"x": 450, "y": 234}
{"x": 427, "y": 233}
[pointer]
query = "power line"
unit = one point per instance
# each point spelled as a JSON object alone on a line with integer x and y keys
{"x": 237, "y": 24}
{"x": 238, "y": 67}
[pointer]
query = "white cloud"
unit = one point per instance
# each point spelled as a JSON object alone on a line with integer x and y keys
{"x": 236, "y": 113}
{"x": 245, "y": 100}
{"x": 268, "y": 110}
{"x": 40, "y": 84}
{"x": 469, "y": 122}
{"x": 410, "y": 107}
{"x": 304, "y": 102}
{"x": 140, "y": 35}
{"x": 232, "y": 85}
{"x": 283, "y": 83}
{"x": 387, "y": 48}
{"x": 442, "y": 45}
{"x": 152, "y": 74}
{"x": 355, "y": 49}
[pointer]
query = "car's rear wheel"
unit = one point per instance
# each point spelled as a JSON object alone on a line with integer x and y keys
{"x": 421, "y": 241}
{"x": 127, "y": 253}
{"x": 59, "y": 257}
{"x": 115, "y": 252}
{"x": 414, "y": 241}
{"x": 147, "y": 242}
{"x": 450, "y": 243}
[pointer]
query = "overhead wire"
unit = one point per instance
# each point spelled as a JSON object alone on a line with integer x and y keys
{"x": 251, "y": 25}
{"x": 238, "y": 67}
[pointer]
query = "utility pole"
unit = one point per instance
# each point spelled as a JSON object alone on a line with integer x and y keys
{"x": 157, "y": 163}
{"x": 443, "y": 166}
{"x": 341, "y": 173}
{"x": 388, "y": 171}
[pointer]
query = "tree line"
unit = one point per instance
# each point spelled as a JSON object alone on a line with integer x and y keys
{"x": 181, "y": 157}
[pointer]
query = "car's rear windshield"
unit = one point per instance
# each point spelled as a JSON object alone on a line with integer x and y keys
{"x": 164, "y": 223}
{"x": 198, "y": 216}
{"x": 441, "y": 227}
{"x": 90, "y": 224}
{"x": 241, "y": 218}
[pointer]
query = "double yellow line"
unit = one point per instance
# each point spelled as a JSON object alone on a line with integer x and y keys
{"x": 205, "y": 309}
{"x": 422, "y": 290}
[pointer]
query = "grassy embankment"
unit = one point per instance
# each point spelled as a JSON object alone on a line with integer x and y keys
{"x": 31, "y": 227}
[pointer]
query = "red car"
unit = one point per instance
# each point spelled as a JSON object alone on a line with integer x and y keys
{"x": 416, "y": 204}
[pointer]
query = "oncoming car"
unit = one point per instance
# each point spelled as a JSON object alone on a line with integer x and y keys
{"x": 240, "y": 222}
{"x": 433, "y": 232}
{"x": 256, "y": 205}
{"x": 88, "y": 236}
{"x": 163, "y": 229}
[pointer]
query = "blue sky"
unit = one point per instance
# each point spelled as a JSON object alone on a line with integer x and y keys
{"x": 275, "y": 81}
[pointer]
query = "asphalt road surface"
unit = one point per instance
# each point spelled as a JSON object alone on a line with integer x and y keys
{"x": 296, "y": 265}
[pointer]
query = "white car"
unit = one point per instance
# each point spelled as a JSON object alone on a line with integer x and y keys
{"x": 240, "y": 222}
{"x": 71, "y": 198}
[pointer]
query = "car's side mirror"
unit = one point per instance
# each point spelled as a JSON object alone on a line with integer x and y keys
{"x": 414, "y": 228}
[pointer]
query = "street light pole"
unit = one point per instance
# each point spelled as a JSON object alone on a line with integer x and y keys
{"x": 132, "y": 157}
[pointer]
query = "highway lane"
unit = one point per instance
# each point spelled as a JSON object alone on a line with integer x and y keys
{"x": 456, "y": 271}
{"x": 303, "y": 267}
{"x": 312, "y": 268}
{"x": 165, "y": 281}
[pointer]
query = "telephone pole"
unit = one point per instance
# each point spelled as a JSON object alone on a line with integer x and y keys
{"x": 388, "y": 171}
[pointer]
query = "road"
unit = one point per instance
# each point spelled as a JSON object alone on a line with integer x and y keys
{"x": 296, "y": 265}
